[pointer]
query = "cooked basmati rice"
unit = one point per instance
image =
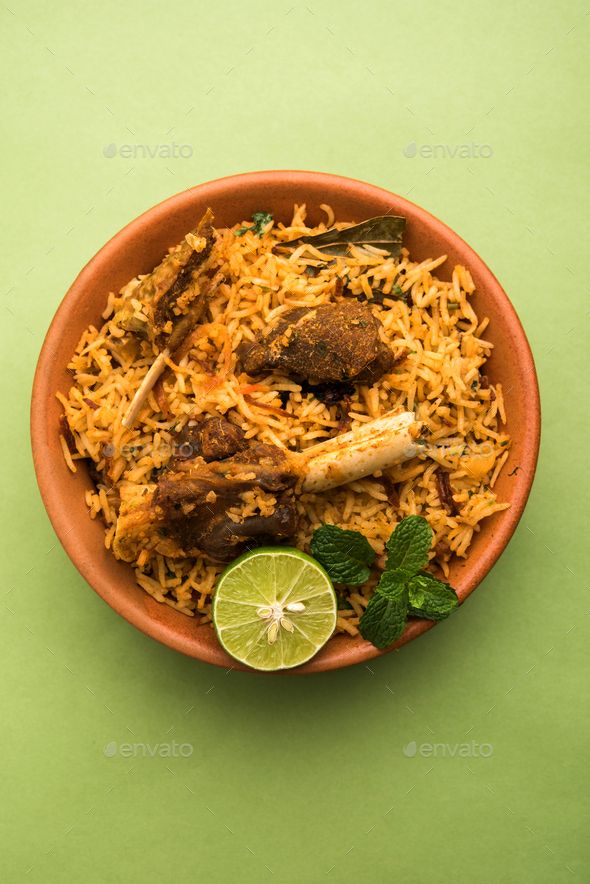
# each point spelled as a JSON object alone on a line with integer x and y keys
{"x": 432, "y": 330}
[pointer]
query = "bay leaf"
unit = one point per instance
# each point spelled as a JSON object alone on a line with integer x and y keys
{"x": 382, "y": 232}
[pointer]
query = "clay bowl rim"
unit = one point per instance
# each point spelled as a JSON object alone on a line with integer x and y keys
{"x": 340, "y": 651}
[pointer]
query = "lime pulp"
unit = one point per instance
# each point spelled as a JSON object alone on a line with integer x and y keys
{"x": 274, "y": 608}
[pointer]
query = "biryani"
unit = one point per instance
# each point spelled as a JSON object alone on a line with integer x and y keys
{"x": 250, "y": 345}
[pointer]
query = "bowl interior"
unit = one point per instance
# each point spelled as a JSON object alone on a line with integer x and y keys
{"x": 137, "y": 249}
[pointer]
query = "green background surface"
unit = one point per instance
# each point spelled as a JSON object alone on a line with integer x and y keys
{"x": 301, "y": 779}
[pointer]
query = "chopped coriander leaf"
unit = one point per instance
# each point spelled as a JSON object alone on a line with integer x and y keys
{"x": 260, "y": 219}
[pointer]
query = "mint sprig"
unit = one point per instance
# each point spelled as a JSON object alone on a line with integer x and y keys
{"x": 404, "y": 589}
{"x": 346, "y": 555}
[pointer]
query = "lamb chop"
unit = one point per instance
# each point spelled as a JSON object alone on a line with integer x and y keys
{"x": 197, "y": 507}
{"x": 332, "y": 342}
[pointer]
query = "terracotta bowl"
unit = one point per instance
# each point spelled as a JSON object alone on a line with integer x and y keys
{"x": 137, "y": 249}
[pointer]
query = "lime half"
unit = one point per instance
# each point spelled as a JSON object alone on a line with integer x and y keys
{"x": 274, "y": 608}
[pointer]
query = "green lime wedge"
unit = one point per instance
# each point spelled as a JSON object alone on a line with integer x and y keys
{"x": 274, "y": 608}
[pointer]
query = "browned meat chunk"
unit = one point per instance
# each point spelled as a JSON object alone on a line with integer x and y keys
{"x": 213, "y": 439}
{"x": 215, "y": 508}
{"x": 177, "y": 275}
{"x": 196, "y": 501}
{"x": 166, "y": 304}
{"x": 381, "y": 364}
{"x": 333, "y": 342}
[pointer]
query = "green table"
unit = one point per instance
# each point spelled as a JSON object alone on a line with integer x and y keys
{"x": 125, "y": 762}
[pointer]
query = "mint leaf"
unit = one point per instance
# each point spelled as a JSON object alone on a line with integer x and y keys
{"x": 346, "y": 555}
{"x": 430, "y": 597}
{"x": 384, "y": 618}
{"x": 408, "y": 547}
{"x": 389, "y": 584}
